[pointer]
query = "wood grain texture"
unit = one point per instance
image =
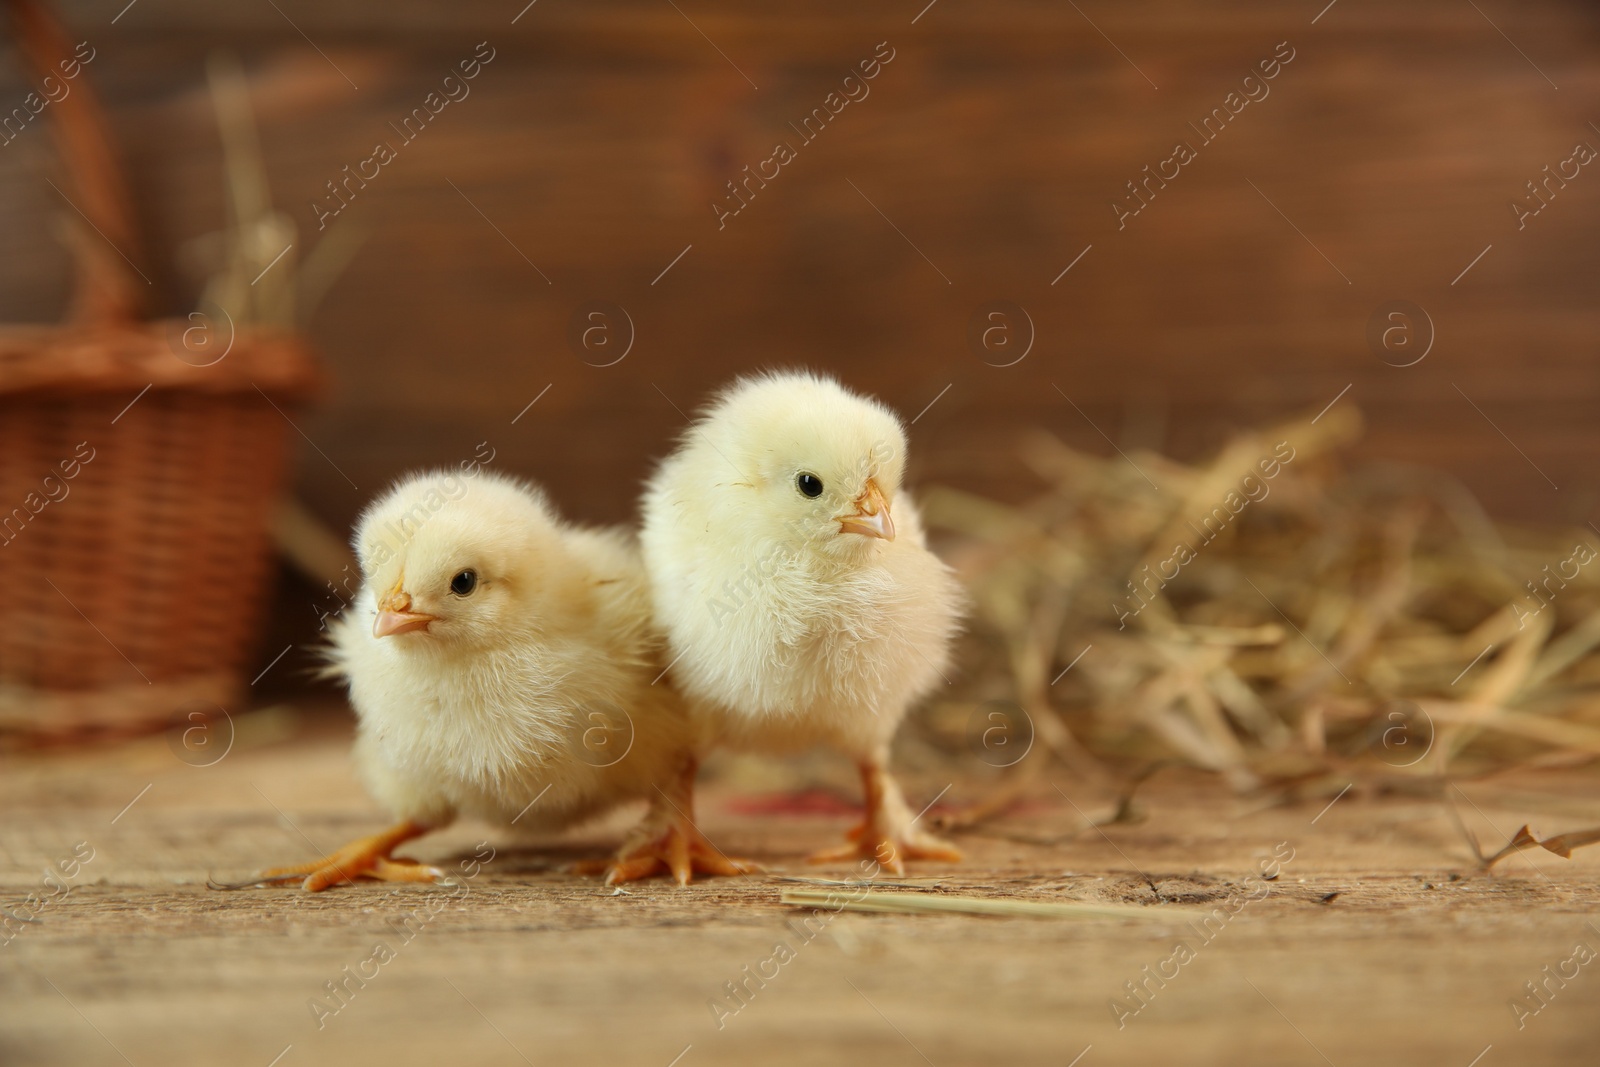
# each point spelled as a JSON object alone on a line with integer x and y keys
{"x": 1416, "y": 959}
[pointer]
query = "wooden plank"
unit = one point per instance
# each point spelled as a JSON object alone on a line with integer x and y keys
{"x": 1416, "y": 958}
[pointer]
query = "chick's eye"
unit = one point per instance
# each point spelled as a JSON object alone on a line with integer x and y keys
{"x": 809, "y": 484}
{"x": 464, "y": 583}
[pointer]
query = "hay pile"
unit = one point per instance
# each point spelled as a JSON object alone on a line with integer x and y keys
{"x": 1270, "y": 615}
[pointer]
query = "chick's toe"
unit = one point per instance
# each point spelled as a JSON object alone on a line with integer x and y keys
{"x": 366, "y": 857}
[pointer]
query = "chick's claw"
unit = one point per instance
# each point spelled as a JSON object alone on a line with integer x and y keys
{"x": 682, "y": 852}
{"x": 890, "y": 851}
{"x": 888, "y": 834}
{"x": 366, "y": 857}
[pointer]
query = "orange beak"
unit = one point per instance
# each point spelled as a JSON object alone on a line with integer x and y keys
{"x": 871, "y": 515}
{"x": 396, "y": 617}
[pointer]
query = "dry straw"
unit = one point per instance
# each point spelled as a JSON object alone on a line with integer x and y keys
{"x": 942, "y": 904}
{"x": 1274, "y": 616}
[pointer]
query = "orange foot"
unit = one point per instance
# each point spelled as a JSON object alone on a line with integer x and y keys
{"x": 888, "y": 834}
{"x": 889, "y": 849}
{"x": 366, "y": 857}
{"x": 668, "y": 840}
{"x": 682, "y": 851}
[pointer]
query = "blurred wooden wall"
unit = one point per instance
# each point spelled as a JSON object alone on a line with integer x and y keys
{"x": 985, "y": 160}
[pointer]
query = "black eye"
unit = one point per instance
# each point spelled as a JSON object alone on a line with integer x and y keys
{"x": 464, "y": 583}
{"x": 809, "y": 484}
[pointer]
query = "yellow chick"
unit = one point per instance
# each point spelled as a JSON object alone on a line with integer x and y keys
{"x": 500, "y": 663}
{"x": 798, "y": 595}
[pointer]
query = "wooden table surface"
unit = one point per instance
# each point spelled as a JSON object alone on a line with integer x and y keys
{"x": 1417, "y": 959}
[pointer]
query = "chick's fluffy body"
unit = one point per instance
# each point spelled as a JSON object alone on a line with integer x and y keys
{"x": 788, "y": 633}
{"x": 528, "y": 690}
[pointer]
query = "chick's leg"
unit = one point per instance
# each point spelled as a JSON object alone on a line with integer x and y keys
{"x": 888, "y": 834}
{"x": 668, "y": 840}
{"x": 366, "y": 857}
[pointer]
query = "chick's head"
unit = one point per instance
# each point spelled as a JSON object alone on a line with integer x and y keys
{"x": 455, "y": 562}
{"x": 811, "y": 461}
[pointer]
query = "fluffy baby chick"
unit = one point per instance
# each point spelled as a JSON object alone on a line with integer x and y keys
{"x": 500, "y": 663}
{"x": 791, "y": 576}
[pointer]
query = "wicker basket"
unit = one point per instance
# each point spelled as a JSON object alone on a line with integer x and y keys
{"x": 138, "y": 470}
